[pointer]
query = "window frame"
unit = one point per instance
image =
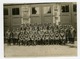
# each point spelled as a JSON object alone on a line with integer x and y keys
{"x": 16, "y": 11}
{"x": 47, "y": 13}
{"x": 38, "y": 10}
{"x": 74, "y": 5}
{"x": 65, "y": 10}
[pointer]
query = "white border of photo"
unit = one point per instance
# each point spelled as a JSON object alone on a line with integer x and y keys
{"x": 37, "y": 1}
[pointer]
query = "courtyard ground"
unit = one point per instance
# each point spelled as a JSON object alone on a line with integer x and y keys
{"x": 40, "y": 50}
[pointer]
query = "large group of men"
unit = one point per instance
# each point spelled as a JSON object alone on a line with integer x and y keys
{"x": 41, "y": 34}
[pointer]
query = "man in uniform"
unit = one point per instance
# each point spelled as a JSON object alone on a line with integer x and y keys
{"x": 69, "y": 35}
{"x": 72, "y": 35}
{"x": 43, "y": 39}
{"x": 52, "y": 38}
{"x": 7, "y": 37}
{"x": 39, "y": 39}
{"x": 13, "y": 36}
{"x": 33, "y": 40}
{"x": 26, "y": 34}
{"x": 21, "y": 37}
{"x": 17, "y": 35}
{"x": 25, "y": 39}
{"x": 66, "y": 34}
{"x": 57, "y": 37}
{"x": 47, "y": 39}
{"x": 62, "y": 37}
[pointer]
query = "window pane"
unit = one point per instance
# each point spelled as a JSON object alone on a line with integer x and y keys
{"x": 65, "y": 8}
{"x": 15, "y": 11}
{"x": 5, "y": 11}
{"x": 74, "y": 8}
{"x": 47, "y": 10}
{"x": 35, "y": 10}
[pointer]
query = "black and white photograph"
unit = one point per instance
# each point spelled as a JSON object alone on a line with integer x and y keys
{"x": 40, "y": 29}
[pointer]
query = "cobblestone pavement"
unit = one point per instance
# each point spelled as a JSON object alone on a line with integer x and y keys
{"x": 39, "y": 50}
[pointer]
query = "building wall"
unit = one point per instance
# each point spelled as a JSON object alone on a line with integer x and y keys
{"x": 7, "y": 19}
{"x": 74, "y": 17}
{"x": 13, "y": 20}
{"x": 46, "y": 18}
{"x": 35, "y": 18}
{"x": 25, "y": 9}
{"x": 26, "y": 16}
{"x": 65, "y": 17}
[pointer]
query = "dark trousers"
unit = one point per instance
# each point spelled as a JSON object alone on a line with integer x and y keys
{"x": 63, "y": 41}
{"x": 14, "y": 41}
{"x": 57, "y": 41}
{"x": 47, "y": 42}
{"x": 54, "y": 41}
{"x": 37, "y": 42}
{"x": 41, "y": 42}
{"x": 44, "y": 42}
{"x": 9, "y": 41}
{"x": 51, "y": 41}
{"x": 72, "y": 40}
{"x": 66, "y": 39}
{"x": 60, "y": 41}
{"x": 28, "y": 42}
{"x": 23, "y": 42}
{"x": 17, "y": 41}
{"x": 32, "y": 42}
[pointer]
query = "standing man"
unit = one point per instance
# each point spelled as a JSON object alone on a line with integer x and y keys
{"x": 13, "y": 34}
{"x": 17, "y": 36}
{"x": 72, "y": 35}
{"x": 7, "y": 37}
{"x": 21, "y": 37}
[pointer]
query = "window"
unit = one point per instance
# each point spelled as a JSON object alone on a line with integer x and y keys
{"x": 47, "y": 10}
{"x": 74, "y": 8}
{"x": 65, "y": 8}
{"x": 35, "y": 10}
{"x": 15, "y": 11}
{"x": 5, "y": 11}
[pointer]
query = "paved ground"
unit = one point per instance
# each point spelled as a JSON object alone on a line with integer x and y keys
{"x": 48, "y": 50}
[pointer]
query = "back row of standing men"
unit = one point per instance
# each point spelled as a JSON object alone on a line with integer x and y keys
{"x": 41, "y": 34}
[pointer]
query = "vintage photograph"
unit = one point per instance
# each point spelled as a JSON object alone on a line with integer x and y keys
{"x": 40, "y": 29}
